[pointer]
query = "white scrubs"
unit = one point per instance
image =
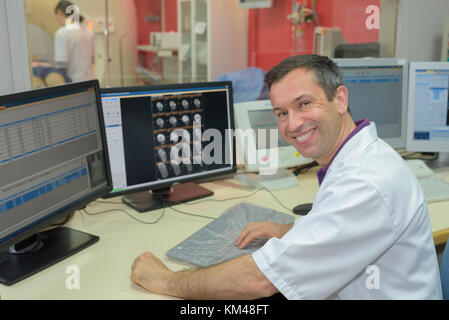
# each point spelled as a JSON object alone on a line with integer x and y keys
{"x": 368, "y": 235}
{"x": 75, "y": 47}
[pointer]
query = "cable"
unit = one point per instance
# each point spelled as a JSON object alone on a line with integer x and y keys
{"x": 164, "y": 207}
{"x": 186, "y": 203}
{"x": 272, "y": 194}
{"x": 182, "y": 212}
{"x": 227, "y": 199}
{"x": 190, "y": 203}
{"x": 261, "y": 187}
{"x": 191, "y": 214}
{"x": 63, "y": 222}
{"x": 111, "y": 202}
{"x": 130, "y": 215}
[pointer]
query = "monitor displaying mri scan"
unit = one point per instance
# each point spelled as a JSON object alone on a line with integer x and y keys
{"x": 165, "y": 135}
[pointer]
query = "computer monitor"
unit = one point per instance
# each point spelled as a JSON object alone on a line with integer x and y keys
{"x": 53, "y": 161}
{"x": 428, "y": 116}
{"x": 263, "y": 147}
{"x": 163, "y": 138}
{"x": 377, "y": 90}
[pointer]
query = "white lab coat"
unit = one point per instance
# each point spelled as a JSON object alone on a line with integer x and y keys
{"x": 368, "y": 235}
{"x": 75, "y": 46}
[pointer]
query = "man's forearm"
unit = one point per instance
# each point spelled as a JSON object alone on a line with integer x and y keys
{"x": 238, "y": 278}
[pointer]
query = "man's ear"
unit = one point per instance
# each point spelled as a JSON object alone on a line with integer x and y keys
{"x": 341, "y": 99}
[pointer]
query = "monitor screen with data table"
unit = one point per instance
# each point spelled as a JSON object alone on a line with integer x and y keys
{"x": 53, "y": 161}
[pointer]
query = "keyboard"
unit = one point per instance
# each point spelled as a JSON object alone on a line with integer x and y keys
{"x": 419, "y": 168}
{"x": 434, "y": 188}
{"x": 215, "y": 242}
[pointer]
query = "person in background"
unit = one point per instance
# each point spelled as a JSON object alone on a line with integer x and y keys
{"x": 74, "y": 43}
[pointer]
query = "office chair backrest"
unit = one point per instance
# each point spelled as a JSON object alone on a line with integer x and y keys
{"x": 444, "y": 272}
{"x": 247, "y": 84}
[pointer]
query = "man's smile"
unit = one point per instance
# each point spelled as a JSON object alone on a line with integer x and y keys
{"x": 304, "y": 136}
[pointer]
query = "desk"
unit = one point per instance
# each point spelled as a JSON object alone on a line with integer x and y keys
{"x": 439, "y": 214}
{"x": 105, "y": 267}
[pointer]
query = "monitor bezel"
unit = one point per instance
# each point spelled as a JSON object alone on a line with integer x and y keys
{"x": 78, "y": 204}
{"x": 161, "y": 184}
{"x": 286, "y": 155}
{"x": 399, "y": 142}
{"x": 412, "y": 144}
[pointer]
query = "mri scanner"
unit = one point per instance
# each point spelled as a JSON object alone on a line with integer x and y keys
{"x": 113, "y": 67}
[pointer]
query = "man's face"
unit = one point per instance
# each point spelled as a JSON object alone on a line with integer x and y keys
{"x": 306, "y": 119}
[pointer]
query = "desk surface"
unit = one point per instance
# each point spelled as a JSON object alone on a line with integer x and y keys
{"x": 105, "y": 267}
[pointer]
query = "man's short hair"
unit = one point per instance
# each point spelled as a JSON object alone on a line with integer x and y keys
{"x": 326, "y": 71}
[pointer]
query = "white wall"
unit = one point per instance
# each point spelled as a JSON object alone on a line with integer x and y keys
{"x": 123, "y": 16}
{"x": 14, "y": 62}
{"x": 5, "y": 74}
{"x": 420, "y": 29}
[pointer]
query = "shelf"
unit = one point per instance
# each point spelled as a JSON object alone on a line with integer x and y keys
{"x": 205, "y": 48}
{"x": 150, "y": 48}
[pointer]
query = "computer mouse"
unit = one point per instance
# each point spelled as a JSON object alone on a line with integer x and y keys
{"x": 302, "y": 209}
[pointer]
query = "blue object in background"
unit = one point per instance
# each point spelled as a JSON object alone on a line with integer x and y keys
{"x": 444, "y": 272}
{"x": 247, "y": 84}
{"x": 43, "y": 71}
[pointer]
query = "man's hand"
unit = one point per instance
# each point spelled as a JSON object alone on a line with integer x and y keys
{"x": 258, "y": 230}
{"x": 150, "y": 273}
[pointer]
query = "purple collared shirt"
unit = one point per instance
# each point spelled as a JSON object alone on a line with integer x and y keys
{"x": 360, "y": 125}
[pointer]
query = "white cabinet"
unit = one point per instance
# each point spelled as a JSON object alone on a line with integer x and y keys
{"x": 14, "y": 63}
{"x": 213, "y": 39}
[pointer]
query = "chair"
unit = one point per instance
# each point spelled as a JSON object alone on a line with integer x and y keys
{"x": 247, "y": 84}
{"x": 444, "y": 272}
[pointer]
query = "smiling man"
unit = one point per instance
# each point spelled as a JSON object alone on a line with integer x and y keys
{"x": 314, "y": 125}
{"x": 368, "y": 235}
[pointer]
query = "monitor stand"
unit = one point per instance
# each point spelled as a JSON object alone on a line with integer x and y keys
{"x": 157, "y": 199}
{"x": 282, "y": 179}
{"x": 442, "y": 161}
{"x": 41, "y": 251}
